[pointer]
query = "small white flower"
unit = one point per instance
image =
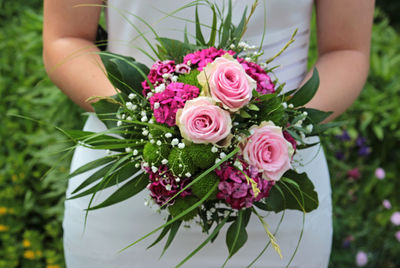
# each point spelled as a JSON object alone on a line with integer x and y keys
{"x": 284, "y": 104}
{"x": 160, "y": 88}
{"x": 149, "y": 95}
{"x": 135, "y": 152}
{"x": 303, "y": 136}
{"x": 159, "y": 143}
{"x": 174, "y": 78}
{"x": 263, "y": 65}
{"x": 129, "y": 118}
{"x": 164, "y": 161}
{"x": 123, "y": 116}
{"x": 131, "y": 96}
{"x": 189, "y": 62}
{"x": 235, "y": 123}
{"x": 154, "y": 169}
{"x": 180, "y": 165}
{"x": 146, "y": 203}
{"x": 232, "y": 46}
{"x": 119, "y": 123}
{"x": 166, "y": 75}
{"x": 151, "y": 121}
{"x": 309, "y": 128}
{"x": 137, "y": 165}
{"x": 214, "y": 149}
{"x": 291, "y": 106}
{"x": 222, "y": 155}
{"x": 128, "y": 150}
{"x": 174, "y": 142}
{"x": 168, "y": 187}
{"x": 187, "y": 174}
{"x": 144, "y": 119}
{"x": 181, "y": 145}
{"x": 168, "y": 135}
{"x": 305, "y": 113}
{"x": 145, "y": 132}
{"x": 217, "y": 160}
{"x": 118, "y": 116}
{"x": 299, "y": 123}
{"x": 150, "y": 136}
{"x": 152, "y": 141}
{"x": 143, "y": 113}
{"x": 108, "y": 151}
{"x": 177, "y": 179}
{"x": 129, "y": 105}
{"x": 145, "y": 164}
{"x": 156, "y": 105}
{"x": 247, "y": 59}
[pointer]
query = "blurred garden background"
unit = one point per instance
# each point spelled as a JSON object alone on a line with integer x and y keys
{"x": 363, "y": 155}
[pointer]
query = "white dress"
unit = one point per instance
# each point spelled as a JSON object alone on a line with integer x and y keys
{"x": 111, "y": 229}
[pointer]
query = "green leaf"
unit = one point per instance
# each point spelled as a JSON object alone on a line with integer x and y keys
{"x": 213, "y": 33}
{"x": 292, "y": 189}
{"x": 163, "y": 233}
{"x": 244, "y": 114}
{"x": 94, "y": 177}
{"x": 119, "y": 175}
{"x": 199, "y": 35}
{"x": 173, "y": 231}
{"x": 126, "y": 191}
{"x": 253, "y": 107}
{"x": 316, "y": 116}
{"x": 318, "y": 129}
{"x": 210, "y": 237}
{"x": 124, "y": 72}
{"x": 91, "y": 165}
{"x": 106, "y": 110}
{"x": 306, "y": 92}
{"x": 236, "y": 235}
{"x": 240, "y": 28}
{"x": 227, "y": 26}
{"x": 175, "y": 49}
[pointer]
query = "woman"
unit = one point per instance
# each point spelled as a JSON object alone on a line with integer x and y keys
{"x": 344, "y": 29}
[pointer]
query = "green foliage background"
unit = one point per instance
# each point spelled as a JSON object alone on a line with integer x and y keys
{"x": 31, "y": 209}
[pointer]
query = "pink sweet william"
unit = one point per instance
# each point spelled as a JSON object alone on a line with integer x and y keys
{"x": 156, "y": 74}
{"x": 268, "y": 150}
{"x": 226, "y": 81}
{"x": 201, "y": 58}
{"x": 165, "y": 104}
{"x": 264, "y": 82}
{"x": 201, "y": 121}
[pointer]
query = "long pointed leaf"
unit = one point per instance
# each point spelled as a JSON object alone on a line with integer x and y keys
{"x": 213, "y": 33}
{"x": 128, "y": 190}
{"x": 91, "y": 165}
{"x": 199, "y": 35}
{"x": 307, "y": 91}
{"x": 174, "y": 229}
{"x": 210, "y": 237}
{"x": 163, "y": 233}
{"x": 94, "y": 177}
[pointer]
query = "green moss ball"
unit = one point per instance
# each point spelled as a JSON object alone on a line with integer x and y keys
{"x": 180, "y": 162}
{"x": 154, "y": 154}
{"x": 181, "y": 204}
{"x": 202, "y": 155}
{"x": 205, "y": 185}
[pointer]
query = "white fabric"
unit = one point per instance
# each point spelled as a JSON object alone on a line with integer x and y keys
{"x": 111, "y": 229}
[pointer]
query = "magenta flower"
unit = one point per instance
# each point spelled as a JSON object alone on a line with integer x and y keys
{"x": 290, "y": 139}
{"x": 264, "y": 82}
{"x": 395, "y": 218}
{"x": 361, "y": 258}
{"x": 397, "y": 235}
{"x": 235, "y": 189}
{"x": 354, "y": 173}
{"x": 165, "y": 104}
{"x": 386, "y": 204}
{"x": 380, "y": 173}
{"x": 156, "y": 74}
{"x": 201, "y": 58}
{"x": 163, "y": 185}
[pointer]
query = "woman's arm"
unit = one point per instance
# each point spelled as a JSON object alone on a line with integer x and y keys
{"x": 69, "y": 52}
{"x": 344, "y": 34}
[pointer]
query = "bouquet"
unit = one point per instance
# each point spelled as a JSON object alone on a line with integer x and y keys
{"x": 207, "y": 131}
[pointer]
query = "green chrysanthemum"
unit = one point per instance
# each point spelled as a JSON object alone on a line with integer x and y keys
{"x": 180, "y": 162}
{"x": 205, "y": 185}
{"x": 181, "y": 204}
{"x": 154, "y": 154}
{"x": 202, "y": 155}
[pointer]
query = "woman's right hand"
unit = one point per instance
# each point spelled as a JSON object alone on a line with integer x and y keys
{"x": 69, "y": 53}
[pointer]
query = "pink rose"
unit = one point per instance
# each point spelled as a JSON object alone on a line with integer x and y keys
{"x": 268, "y": 150}
{"x": 201, "y": 121}
{"x": 226, "y": 81}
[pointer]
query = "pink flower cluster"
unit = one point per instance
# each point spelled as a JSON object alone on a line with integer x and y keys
{"x": 156, "y": 74}
{"x": 163, "y": 185}
{"x": 202, "y": 57}
{"x": 235, "y": 189}
{"x": 264, "y": 82}
{"x": 166, "y": 103}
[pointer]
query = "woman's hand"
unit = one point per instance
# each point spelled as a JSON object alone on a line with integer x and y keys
{"x": 69, "y": 53}
{"x": 344, "y": 34}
